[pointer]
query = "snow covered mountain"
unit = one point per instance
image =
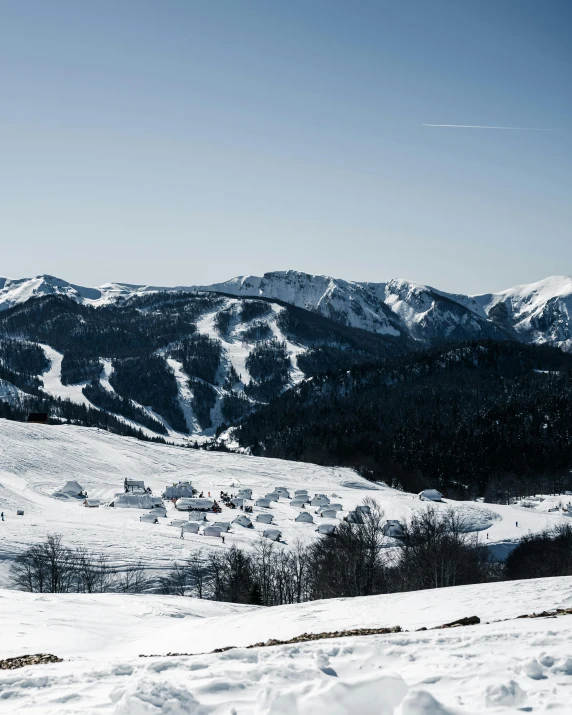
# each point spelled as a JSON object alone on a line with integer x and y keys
{"x": 346, "y": 302}
{"x": 397, "y": 307}
{"x": 432, "y": 315}
{"x": 538, "y": 312}
{"x": 15, "y": 291}
{"x": 175, "y": 363}
{"x": 186, "y": 360}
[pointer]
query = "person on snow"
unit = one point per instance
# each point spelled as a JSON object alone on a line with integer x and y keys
{"x": 182, "y": 534}
{"x": 2, "y": 515}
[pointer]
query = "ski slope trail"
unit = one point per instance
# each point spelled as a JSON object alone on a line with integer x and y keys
{"x": 52, "y": 379}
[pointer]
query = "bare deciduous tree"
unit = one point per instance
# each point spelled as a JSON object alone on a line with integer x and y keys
{"x": 132, "y": 579}
{"x": 45, "y": 568}
{"x": 176, "y": 581}
{"x": 437, "y": 552}
{"x": 350, "y": 561}
{"x": 198, "y": 573}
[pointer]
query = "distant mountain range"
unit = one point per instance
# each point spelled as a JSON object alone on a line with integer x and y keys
{"x": 538, "y": 313}
{"x": 191, "y": 360}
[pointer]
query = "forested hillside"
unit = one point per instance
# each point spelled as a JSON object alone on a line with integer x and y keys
{"x": 169, "y": 362}
{"x": 488, "y": 418}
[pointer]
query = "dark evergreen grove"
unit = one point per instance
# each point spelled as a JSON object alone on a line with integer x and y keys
{"x": 200, "y": 356}
{"x": 491, "y": 419}
{"x": 23, "y": 357}
{"x": 257, "y": 332}
{"x": 150, "y": 381}
{"x": 79, "y": 368}
{"x": 71, "y": 413}
{"x": 253, "y": 309}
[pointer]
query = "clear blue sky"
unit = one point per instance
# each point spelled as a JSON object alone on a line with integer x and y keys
{"x": 181, "y": 142}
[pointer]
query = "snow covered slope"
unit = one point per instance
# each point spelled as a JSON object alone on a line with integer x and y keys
{"x": 37, "y": 460}
{"x": 411, "y": 611}
{"x": 503, "y": 666}
{"x": 209, "y": 347}
{"x": 15, "y": 291}
{"x": 432, "y": 315}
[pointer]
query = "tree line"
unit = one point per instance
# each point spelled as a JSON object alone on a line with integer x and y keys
{"x": 434, "y": 551}
{"x": 53, "y": 567}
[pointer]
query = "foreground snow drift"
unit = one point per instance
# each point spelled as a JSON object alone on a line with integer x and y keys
{"x": 500, "y": 667}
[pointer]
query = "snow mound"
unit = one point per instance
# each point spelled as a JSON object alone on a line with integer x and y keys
{"x": 377, "y": 695}
{"x": 148, "y": 697}
{"x": 420, "y": 702}
{"x": 475, "y": 518}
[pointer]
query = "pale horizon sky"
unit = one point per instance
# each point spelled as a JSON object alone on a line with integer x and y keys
{"x": 188, "y": 142}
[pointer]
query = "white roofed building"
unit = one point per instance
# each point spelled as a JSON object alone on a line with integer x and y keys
{"x": 430, "y": 495}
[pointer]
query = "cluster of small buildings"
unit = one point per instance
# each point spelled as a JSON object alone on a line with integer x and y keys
{"x": 184, "y": 497}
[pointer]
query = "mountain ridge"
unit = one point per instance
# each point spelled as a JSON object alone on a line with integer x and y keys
{"x": 539, "y": 312}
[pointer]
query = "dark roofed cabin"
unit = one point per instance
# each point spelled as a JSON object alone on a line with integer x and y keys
{"x": 38, "y": 417}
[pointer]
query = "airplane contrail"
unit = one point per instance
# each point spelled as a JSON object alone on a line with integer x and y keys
{"x": 480, "y": 126}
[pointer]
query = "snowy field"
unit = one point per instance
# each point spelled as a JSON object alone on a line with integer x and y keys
{"x": 503, "y": 665}
{"x": 37, "y": 460}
